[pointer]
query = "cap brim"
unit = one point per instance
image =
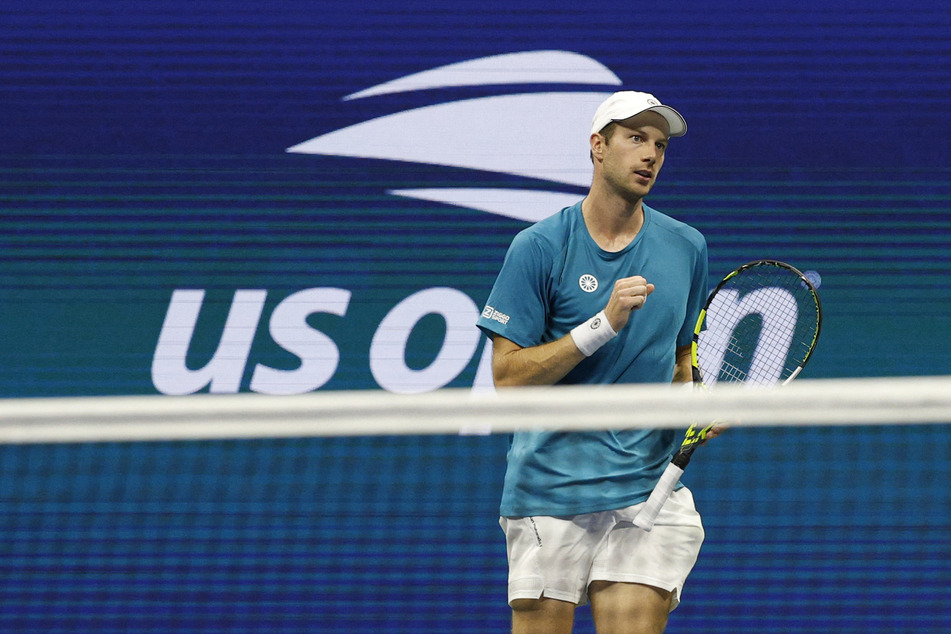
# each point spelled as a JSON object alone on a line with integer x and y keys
{"x": 678, "y": 127}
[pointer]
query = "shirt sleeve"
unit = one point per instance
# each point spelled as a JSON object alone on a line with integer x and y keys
{"x": 697, "y": 297}
{"x": 517, "y": 308}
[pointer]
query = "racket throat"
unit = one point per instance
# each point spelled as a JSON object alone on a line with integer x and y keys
{"x": 681, "y": 458}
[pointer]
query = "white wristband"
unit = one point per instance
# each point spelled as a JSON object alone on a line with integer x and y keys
{"x": 593, "y": 334}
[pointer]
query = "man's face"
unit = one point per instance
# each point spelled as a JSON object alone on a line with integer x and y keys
{"x": 633, "y": 155}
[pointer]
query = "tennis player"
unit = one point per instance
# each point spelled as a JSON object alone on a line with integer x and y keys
{"x": 605, "y": 291}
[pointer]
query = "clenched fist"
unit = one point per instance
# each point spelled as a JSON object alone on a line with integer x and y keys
{"x": 629, "y": 294}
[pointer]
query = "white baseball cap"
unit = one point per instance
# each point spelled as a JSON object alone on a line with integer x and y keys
{"x": 627, "y": 103}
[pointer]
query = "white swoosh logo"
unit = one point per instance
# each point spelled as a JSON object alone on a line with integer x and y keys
{"x": 522, "y": 204}
{"x": 531, "y": 67}
{"x": 540, "y": 135}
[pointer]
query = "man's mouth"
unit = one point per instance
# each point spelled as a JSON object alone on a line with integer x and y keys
{"x": 644, "y": 174}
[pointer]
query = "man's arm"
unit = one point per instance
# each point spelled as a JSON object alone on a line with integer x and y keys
{"x": 683, "y": 367}
{"x": 548, "y": 363}
{"x": 683, "y": 373}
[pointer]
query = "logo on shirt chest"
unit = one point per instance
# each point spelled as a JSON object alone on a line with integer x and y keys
{"x": 588, "y": 283}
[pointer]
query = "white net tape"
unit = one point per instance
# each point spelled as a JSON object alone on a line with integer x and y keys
{"x": 456, "y": 411}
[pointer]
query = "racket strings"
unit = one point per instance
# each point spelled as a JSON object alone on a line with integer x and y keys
{"x": 766, "y": 325}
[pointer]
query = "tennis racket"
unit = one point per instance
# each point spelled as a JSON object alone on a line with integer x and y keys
{"x": 759, "y": 326}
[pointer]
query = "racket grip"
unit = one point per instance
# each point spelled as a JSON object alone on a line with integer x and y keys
{"x": 646, "y": 517}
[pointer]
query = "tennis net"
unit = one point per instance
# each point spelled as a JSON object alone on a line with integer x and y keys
{"x": 826, "y": 508}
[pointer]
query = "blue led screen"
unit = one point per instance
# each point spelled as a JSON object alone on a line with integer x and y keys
{"x": 282, "y": 198}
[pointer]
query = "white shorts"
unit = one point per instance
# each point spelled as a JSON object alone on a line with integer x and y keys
{"x": 558, "y": 557}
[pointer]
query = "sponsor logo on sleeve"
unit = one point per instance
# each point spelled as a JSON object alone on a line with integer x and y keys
{"x": 490, "y": 313}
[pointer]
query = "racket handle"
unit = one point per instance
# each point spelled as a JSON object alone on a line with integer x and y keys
{"x": 646, "y": 517}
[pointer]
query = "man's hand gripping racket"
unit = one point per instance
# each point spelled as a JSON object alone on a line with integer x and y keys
{"x": 759, "y": 326}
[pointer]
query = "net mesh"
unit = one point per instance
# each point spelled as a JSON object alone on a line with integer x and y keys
{"x": 373, "y": 512}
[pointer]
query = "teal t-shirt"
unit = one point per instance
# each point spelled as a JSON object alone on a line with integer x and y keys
{"x": 555, "y": 277}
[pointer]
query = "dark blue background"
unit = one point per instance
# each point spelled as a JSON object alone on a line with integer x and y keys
{"x": 143, "y": 152}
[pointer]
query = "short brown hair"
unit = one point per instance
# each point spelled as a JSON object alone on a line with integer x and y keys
{"x": 607, "y": 131}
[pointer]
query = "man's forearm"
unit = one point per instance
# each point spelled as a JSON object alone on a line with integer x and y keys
{"x": 546, "y": 364}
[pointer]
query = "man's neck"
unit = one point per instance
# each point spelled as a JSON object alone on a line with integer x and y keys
{"x": 612, "y": 222}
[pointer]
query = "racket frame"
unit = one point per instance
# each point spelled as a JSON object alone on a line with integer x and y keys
{"x": 692, "y": 439}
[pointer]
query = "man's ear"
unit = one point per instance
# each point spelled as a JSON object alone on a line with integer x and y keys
{"x": 597, "y": 146}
